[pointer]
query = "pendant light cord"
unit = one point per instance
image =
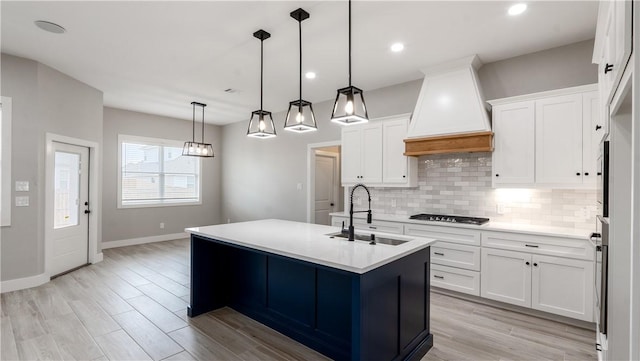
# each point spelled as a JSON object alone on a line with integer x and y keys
{"x": 349, "y": 42}
{"x": 193, "y": 128}
{"x": 300, "y": 43}
{"x": 202, "y": 124}
{"x": 261, "y": 70}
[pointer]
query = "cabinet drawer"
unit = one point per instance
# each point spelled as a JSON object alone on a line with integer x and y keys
{"x": 456, "y": 255}
{"x": 448, "y": 234}
{"x": 552, "y": 246}
{"x": 455, "y": 279}
{"x": 377, "y": 226}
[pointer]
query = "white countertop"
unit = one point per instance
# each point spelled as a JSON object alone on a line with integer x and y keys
{"x": 490, "y": 226}
{"x": 309, "y": 242}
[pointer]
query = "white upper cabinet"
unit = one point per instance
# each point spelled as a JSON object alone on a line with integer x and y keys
{"x": 362, "y": 153}
{"x": 373, "y": 153}
{"x": 613, "y": 44}
{"x": 548, "y": 139}
{"x": 559, "y": 140}
{"x": 514, "y": 148}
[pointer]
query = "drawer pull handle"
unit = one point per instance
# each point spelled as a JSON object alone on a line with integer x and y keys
{"x": 373, "y": 227}
{"x": 438, "y": 253}
{"x": 531, "y": 245}
{"x": 440, "y": 277}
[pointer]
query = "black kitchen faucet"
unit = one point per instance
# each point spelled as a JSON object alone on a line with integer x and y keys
{"x": 351, "y": 212}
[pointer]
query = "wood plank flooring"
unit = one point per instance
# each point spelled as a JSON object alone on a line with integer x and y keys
{"x": 132, "y": 306}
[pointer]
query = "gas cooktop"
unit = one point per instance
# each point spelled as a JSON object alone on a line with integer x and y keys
{"x": 449, "y": 219}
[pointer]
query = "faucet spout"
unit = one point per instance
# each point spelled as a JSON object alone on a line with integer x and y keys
{"x": 351, "y": 211}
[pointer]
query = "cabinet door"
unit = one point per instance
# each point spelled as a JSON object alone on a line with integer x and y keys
{"x": 351, "y": 149}
{"x": 563, "y": 286}
{"x": 371, "y": 153}
{"x": 559, "y": 140}
{"x": 592, "y": 132}
{"x": 394, "y": 162}
{"x": 506, "y": 276}
{"x": 513, "y": 156}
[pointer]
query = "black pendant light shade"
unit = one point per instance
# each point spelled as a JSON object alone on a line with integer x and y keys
{"x": 349, "y": 107}
{"x": 300, "y": 117}
{"x": 193, "y": 148}
{"x": 261, "y": 122}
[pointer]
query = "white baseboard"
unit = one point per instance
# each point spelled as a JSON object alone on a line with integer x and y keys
{"x": 142, "y": 240}
{"x": 22, "y": 283}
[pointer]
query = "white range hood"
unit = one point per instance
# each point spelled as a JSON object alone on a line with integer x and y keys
{"x": 450, "y": 115}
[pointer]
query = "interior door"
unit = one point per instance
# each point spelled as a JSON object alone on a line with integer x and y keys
{"x": 325, "y": 179}
{"x": 70, "y": 234}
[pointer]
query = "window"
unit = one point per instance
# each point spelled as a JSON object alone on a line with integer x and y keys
{"x": 153, "y": 172}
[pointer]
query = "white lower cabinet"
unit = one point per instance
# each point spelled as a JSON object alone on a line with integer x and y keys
{"x": 552, "y": 284}
{"x": 562, "y": 286}
{"x": 455, "y": 279}
{"x": 506, "y": 276}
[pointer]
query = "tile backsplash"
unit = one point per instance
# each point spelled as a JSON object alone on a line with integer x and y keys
{"x": 460, "y": 184}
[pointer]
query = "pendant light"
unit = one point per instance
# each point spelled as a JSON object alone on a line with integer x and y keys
{"x": 300, "y": 117}
{"x": 349, "y": 107}
{"x": 193, "y": 148}
{"x": 261, "y": 122}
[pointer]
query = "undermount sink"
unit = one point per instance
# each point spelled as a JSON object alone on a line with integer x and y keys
{"x": 367, "y": 238}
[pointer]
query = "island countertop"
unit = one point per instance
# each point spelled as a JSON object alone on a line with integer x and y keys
{"x": 310, "y": 242}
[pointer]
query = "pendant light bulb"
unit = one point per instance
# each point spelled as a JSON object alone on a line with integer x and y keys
{"x": 262, "y": 125}
{"x": 348, "y": 108}
{"x": 300, "y": 117}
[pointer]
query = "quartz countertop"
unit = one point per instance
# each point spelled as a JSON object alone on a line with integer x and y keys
{"x": 490, "y": 226}
{"x": 310, "y": 242}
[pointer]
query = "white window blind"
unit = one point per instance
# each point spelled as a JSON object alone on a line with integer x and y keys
{"x": 153, "y": 172}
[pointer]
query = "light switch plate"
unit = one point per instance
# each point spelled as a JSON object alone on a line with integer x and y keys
{"x": 22, "y": 186}
{"x": 22, "y": 201}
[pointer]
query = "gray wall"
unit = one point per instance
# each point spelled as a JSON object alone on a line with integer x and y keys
{"x": 556, "y": 68}
{"x": 260, "y": 176}
{"x": 43, "y": 100}
{"x": 128, "y": 223}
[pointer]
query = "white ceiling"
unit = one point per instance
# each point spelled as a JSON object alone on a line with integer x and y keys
{"x": 158, "y": 56}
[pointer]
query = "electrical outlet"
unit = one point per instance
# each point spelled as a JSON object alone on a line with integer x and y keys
{"x": 161, "y": 225}
{"x": 500, "y": 208}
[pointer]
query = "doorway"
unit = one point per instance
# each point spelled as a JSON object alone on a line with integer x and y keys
{"x": 325, "y": 190}
{"x": 70, "y": 211}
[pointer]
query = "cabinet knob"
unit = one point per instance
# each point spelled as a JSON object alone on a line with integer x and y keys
{"x": 527, "y": 263}
{"x": 578, "y": 173}
{"x": 586, "y": 173}
{"x": 497, "y": 175}
{"x": 598, "y": 127}
{"x": 599, "y": 173}
{"x": 404, "y": 176}
{"x": 535, "y": 265}
{"x": 608, "y": 67}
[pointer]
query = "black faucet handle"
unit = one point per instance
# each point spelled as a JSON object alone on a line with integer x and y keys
{"x": 369, "y": 216}
{"x": 343, "y": 230}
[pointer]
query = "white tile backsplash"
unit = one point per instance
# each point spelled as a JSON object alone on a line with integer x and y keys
{"x": 460, "y": 184}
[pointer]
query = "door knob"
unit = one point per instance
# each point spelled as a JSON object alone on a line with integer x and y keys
{"x": 86, "y": 211}
{"x": 331, "y": 204}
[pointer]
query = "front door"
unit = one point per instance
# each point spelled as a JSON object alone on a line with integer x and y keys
{"x": 326, "y": 167}
{"x": 70, "y": 235}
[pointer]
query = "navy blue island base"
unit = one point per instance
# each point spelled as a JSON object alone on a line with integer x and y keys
{"x": 382, "y": 314}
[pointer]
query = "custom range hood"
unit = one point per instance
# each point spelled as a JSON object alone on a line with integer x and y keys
{"x": 450, "y": 115}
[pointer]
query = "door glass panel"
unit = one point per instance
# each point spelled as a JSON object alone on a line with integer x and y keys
{"x": 66, "y": 190}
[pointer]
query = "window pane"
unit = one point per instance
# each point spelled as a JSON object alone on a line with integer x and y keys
{"x": 140, "y": 186}
{"x": 66, "y": 190}
{"x": 180, "y": 186}
{"x": 140, "y": 158}
{"x": 174, "y": 162}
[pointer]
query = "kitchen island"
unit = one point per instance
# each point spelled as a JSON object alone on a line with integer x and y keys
{"x": 347, "y": 300}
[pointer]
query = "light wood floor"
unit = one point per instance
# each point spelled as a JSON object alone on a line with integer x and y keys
{"x": 132, "y": 306}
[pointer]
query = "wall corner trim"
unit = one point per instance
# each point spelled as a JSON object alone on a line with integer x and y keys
{"x": 143, "y": 240}
{"x": 22, "y": 283}
{"x": 98, "y": 257}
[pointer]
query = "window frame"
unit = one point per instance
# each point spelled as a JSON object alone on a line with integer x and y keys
{"x": 124, "y": 138}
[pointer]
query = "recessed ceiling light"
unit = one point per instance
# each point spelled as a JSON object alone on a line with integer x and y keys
{"x": 49, "y": 26}
{"x": 517, "y": 9}
{"x": 310, "y": 75}
{"x": 397, "y": 47}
